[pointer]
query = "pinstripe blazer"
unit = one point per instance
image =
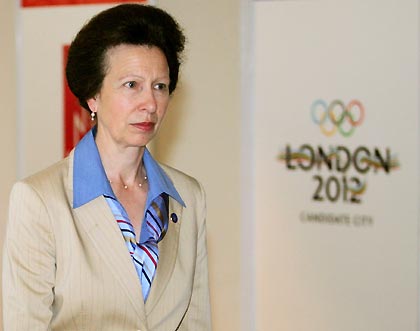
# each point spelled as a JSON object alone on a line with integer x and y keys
{"x": 68, "y": 269}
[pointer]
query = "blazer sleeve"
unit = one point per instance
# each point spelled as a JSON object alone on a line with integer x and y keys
{"x": 28, "y": 263}
{"x": 198, "y": 315}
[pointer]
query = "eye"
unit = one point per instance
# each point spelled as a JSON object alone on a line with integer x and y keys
{"x": 161, "y": 86}
{"x": 130, "y": 84}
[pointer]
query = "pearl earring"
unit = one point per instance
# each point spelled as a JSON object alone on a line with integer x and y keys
{"x": 92, "y": 116}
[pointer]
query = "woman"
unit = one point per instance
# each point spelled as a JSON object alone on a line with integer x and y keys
{"x": 108, "y": 239}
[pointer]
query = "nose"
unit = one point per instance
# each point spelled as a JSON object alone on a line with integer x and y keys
{"x": 148, "y": 100}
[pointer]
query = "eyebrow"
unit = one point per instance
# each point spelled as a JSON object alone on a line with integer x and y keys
{"x": 131, "y": 76}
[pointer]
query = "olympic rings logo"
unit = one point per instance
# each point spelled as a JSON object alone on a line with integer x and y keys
{"x": 337, "y": 117}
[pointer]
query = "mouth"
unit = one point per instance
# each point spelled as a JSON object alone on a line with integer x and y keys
{"x": 144, "y": 126}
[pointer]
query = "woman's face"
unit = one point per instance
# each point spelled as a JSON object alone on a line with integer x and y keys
{"x": 134, "y": 95}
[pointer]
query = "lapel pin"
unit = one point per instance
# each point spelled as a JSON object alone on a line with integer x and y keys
{"x": 174, "y": 218}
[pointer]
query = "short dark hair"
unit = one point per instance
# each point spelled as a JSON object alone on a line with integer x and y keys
{"x": 132, "y": 24}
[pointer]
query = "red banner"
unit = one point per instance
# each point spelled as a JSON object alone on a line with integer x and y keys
{"x": 40, "y": 3}
{"x": 76, "y": 119}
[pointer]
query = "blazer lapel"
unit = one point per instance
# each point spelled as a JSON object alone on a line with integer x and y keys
{"x": 168, "y": 250}
{"x": 99, "y": 222}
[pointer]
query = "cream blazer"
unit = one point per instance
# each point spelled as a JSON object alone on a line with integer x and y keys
{"x": 68, "y": 269}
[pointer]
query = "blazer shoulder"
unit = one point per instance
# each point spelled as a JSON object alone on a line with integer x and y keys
{"x": 185, "y": 184}
{"x": 53, "y": 179}
{"x": 177, "y": 174}
{"x": 180, "y": 178}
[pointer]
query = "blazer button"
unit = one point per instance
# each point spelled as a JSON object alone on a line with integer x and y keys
{"x": 174, "y": 218}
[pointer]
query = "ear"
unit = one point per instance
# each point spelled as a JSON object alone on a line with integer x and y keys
{"x": 93, "y": 104}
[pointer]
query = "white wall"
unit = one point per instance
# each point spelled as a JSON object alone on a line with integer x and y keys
{"x": 7, "y": 108}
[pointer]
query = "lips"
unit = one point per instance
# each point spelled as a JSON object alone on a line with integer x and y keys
{"x": 145, "y": 126}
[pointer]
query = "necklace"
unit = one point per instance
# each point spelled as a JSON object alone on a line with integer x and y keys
{"x": 139, "y": 184}
{"x": 126, "y": 186}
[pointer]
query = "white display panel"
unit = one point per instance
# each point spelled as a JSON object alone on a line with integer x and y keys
{"x": 336, "y": 187}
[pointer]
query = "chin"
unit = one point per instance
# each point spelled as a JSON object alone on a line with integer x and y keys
{"x": 140, "y": 140}
{"x": 139, "y": 143}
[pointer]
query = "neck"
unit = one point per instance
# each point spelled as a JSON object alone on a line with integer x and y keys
{"x": 123, "y": 165}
